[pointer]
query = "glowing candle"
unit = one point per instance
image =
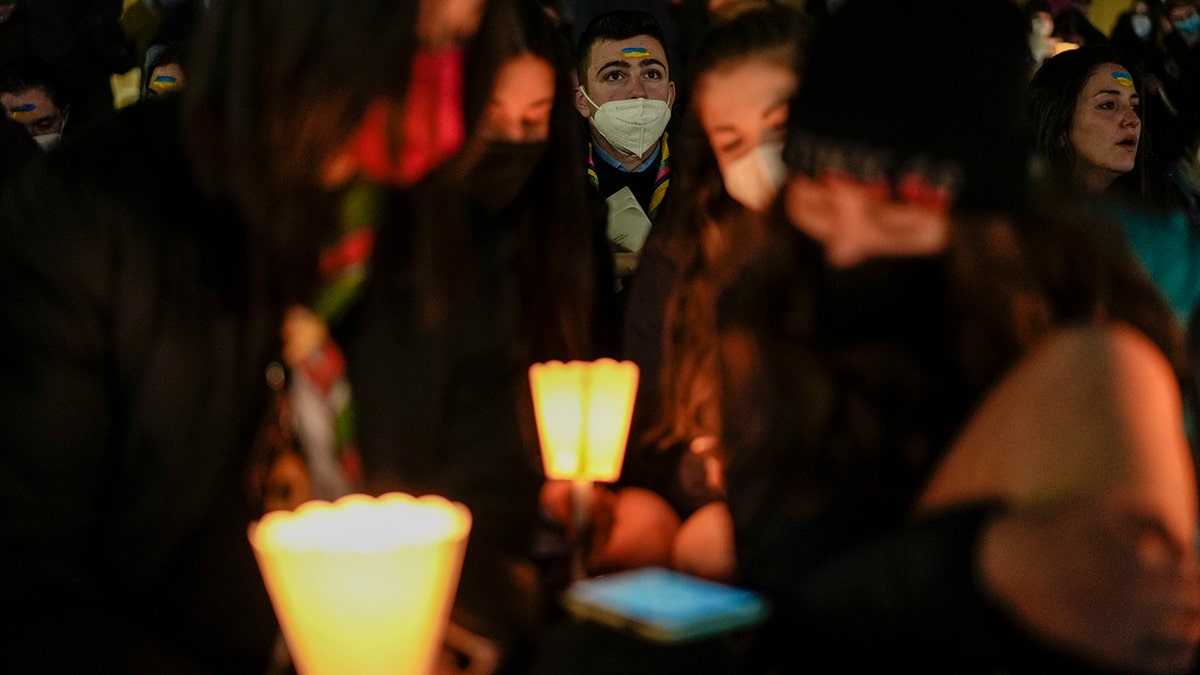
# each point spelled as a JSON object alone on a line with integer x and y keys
{"x": 363, "y": 585}
{"x": 583, "y": 412}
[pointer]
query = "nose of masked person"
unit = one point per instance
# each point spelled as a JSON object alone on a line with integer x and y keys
{"x": 501, "y": 171}
{"x": 754, "y": 179}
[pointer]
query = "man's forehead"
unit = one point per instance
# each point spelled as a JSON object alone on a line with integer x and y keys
{"x": 631, "y": 49}
{"x": 28, "y": 102}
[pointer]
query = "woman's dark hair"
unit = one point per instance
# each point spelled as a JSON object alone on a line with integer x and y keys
{"x": 818, "y": 421}
{"x": 509, "y": 28}
{"x": 557, "y": 251}
{"x": 275, "y": 88}
{"x": 711, "y": 235}
{"x": 1053, "y": 97}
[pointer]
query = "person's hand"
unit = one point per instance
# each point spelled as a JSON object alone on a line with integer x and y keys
{"x": 557, "y": 502}
{"x": 639, "y": 531}
{"x": 467, "y": 653}
{"x": 625, "y": 263}
{"x": 857, "y": 221}
{"x": 1098, "y": 581}
{"x": 704, "y": 545}
{"x": 626, "y": 530}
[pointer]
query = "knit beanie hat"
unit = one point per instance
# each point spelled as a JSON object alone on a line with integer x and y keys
{"x": 928, "y": 88}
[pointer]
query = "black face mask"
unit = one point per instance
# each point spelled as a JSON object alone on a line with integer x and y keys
{"x": 502, "y": 171}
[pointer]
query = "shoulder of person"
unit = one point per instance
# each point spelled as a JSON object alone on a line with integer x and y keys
{"x": 1089, "y": 409}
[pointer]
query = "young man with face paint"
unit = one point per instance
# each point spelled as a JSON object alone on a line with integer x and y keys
{"x": 30, "y": 95}
{"x": 626, "y": 93}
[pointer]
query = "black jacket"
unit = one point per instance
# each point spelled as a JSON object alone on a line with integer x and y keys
{"x": 133, "y": 386}
{"x": 135, "y": 350}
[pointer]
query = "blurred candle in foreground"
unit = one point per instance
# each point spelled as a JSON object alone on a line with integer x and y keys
{"x": 583, "y": 412}
{"x": 363, "y": 585}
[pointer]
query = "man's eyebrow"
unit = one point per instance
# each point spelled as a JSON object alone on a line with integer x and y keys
{"x": 620, "y": 63}
{"x": 653, "y": 62}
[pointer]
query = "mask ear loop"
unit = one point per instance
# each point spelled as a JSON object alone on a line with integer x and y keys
{"x": 670, "y": 97}
{"x": 589, "y": 98}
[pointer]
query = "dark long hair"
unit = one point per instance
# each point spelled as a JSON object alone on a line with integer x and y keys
{"x": 1053, "y": 97}
{"x": 275, "y": 88}
{"x": 843, "y": 388}
{"x": 556, "y": 243}
{"x": 712, "y": 236}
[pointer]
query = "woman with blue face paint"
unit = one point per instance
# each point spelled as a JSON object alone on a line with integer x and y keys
{"x": 1086, "y": 110}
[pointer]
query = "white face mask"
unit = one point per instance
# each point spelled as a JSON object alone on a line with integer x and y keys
{"x": 633, "y": 125}
{"x": 755, "y": 178}
{"x": 1141, "y": 25}
{"x": 47, "y": 141}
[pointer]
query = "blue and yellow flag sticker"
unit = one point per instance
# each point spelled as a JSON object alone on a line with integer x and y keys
{"x": 1123, "y": 78}
{"x": 635, "y": 52}
{"x": 164, "y": 83}
{"x": 25, "y": 110}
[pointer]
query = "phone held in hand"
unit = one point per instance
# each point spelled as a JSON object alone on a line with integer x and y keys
{"x": 665, "y": 606}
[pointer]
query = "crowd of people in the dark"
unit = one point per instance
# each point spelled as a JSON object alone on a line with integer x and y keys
{"x": 911, "y": 285}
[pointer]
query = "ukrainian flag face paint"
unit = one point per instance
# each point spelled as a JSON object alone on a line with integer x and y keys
{"x": 166, "y": 78}
{"x": 635, "y": 53}
{"x": 1105, "y": 128}
{"x": 24, "y": 111}
{"x": 164, "y": 83}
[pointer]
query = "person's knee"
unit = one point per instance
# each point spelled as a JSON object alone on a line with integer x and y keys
{"x": 704, "y": 544}
{"x": 643, "y": 530}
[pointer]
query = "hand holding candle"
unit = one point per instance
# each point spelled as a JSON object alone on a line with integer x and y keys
{"x": 583, "y": 412}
